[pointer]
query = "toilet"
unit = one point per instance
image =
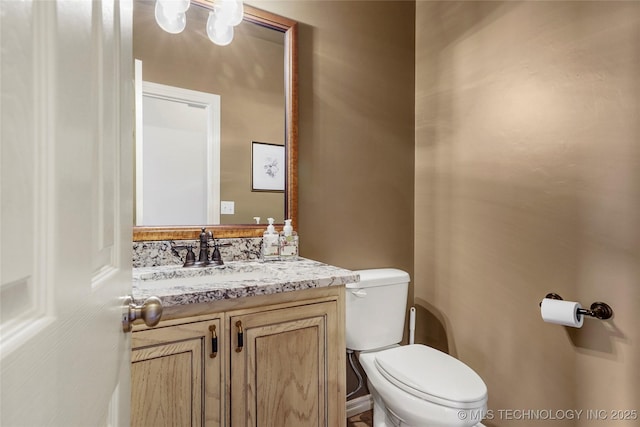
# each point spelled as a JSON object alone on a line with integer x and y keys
{"x": 412, "y": 385}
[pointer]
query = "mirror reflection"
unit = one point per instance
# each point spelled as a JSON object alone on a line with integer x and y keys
{"x": 203, "y": 152}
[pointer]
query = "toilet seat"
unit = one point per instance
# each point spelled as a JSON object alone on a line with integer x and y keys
{"x": 432, "y": 375}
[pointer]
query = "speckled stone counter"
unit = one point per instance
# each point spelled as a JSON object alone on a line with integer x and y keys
{"x": 159, "y": 253}
{"x": 178, "y": 286}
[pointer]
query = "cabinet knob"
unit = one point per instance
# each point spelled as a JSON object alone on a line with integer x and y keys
{"x": 150, "y": 312}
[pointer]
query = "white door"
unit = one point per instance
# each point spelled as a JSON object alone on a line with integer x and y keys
{"x": 65, "y": 224}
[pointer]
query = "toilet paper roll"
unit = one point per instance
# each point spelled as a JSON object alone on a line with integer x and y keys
{"x": 561, "y": 312}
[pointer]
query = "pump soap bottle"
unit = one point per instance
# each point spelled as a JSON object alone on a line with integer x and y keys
{"x": 270, "y": 243}
{"x": 288, "y": 242}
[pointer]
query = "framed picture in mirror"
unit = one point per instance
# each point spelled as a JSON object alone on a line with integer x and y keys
{"x": 267, "y": 167}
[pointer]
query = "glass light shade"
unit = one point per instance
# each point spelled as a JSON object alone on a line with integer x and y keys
{"x": 238, "y": 13}
{"x": 219, "y": 32}
{"x": 229, "y": 12}
{"x": 173, "y": 23}
{"x": 173, "y": 7}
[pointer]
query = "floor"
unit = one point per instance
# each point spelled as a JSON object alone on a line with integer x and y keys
{"x": 364, "y": 419}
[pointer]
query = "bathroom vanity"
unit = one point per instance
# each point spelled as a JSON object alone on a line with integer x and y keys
{"x": 247, "y": 343}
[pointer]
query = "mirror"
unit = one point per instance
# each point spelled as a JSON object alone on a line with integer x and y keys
{"x": 256, "y": 23}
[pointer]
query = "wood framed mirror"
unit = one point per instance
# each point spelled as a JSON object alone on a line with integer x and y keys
{"x": 289, "y": 29}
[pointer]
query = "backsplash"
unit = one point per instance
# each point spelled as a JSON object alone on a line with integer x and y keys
{"x": 156, "y": 253}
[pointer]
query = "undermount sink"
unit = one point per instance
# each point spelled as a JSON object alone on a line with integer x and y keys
{"x": 233, "y": 271}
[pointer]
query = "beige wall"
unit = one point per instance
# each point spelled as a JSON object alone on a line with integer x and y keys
{"x": 527, "y": 182}
{"x": 356, "y": 131}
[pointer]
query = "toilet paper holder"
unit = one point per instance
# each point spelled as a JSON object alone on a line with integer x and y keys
{"x": 599, "y": 310}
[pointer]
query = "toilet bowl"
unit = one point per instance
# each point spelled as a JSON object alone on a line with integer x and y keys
{"x": 413, "y": 385}
{"x": 441, "y": 391}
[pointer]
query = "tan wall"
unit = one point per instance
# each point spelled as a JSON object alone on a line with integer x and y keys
{"x": 356, "y": 130}
{"x": 251, "y": 93}
{"x": 527, "y": 182}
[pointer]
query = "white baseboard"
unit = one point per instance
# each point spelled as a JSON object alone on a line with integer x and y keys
{"x": 359, "y": 405}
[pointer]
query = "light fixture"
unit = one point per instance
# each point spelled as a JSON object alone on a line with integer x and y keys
{"x": 218, "y": 31}
{"x": 226, "y": 14}
{"x": 171, "y": 16}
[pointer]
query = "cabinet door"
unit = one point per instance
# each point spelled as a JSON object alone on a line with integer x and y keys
{"x": 175, "y": 381}
{"x": 284, "y": 372}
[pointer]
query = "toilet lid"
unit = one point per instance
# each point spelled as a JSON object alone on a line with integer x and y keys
{"x": 432, "y": 375}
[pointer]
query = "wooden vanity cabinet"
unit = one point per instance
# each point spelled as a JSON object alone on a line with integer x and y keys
{"x": 174, "y": 379}
{"x": 283, "y": 370}
{"x": 278, "y": 365}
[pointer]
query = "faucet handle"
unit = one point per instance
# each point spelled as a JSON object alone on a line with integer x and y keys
{"x": 190, "y": 259}
{"x": 216, "y": 258}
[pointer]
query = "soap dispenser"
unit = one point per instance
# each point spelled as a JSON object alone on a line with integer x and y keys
{"x": 270, "y": 243}
{"x": 288, "y": 242}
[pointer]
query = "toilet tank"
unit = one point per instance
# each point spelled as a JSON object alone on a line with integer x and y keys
{"x": 376, "y": 308}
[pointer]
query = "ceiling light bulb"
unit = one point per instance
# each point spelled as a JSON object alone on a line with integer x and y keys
{"x": 219, "y": 32}
{"x": 230, "y": 12}
{"x": 172, "y": 23}
{"x": 238, "y": 13}
{"x": 175, "y": 6}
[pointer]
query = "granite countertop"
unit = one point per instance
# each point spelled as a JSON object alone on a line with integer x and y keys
{"x": 176, "y": 285}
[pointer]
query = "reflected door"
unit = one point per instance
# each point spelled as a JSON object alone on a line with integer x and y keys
{"x": 177, "y": 156}
{"x": 174, "y": 164}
